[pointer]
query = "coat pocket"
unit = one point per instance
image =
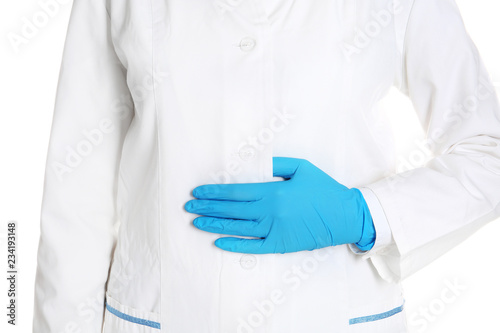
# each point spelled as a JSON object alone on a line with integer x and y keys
{"x": 125, "y": 319}
{"x": 384, "y": 320}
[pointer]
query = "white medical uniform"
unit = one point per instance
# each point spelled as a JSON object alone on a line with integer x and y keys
{"x": 156, "y": 97}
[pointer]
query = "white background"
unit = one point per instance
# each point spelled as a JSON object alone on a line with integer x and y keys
{"x": 28, "y": 86}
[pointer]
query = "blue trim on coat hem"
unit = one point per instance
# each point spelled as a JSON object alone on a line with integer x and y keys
{"x": 132, "y": 319}
{"x": 375, "y": 317}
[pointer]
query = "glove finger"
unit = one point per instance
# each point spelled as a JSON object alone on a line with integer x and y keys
{"x": 230, "y": 226}
{"x": 242, "y": 245}
{"x": 232, "y": 192}
{"x": 240, "y": 210}
{"x": 285, "y": 166}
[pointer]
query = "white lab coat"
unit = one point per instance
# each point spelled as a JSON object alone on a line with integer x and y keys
{"x": 157, "y": 97}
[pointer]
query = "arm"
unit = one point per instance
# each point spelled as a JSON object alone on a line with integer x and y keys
{"x": 433, "y": 208}
{"x": 79, "y": 208}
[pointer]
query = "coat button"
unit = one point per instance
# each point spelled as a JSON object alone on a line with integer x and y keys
{"x": 248, "y": 261}
{"x": 247, "y": 44}
{"x": 246, "y": 152}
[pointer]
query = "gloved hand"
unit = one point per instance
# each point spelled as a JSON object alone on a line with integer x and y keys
{"x": 308, "y": 210}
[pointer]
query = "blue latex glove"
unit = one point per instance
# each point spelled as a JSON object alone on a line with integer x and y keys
{"x": 308, "y": 210}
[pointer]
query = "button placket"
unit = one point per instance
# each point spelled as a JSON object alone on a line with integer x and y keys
{"x": 240, "y": 274}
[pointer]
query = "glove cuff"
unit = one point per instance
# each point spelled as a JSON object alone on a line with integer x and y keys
{"x": 368, "y": 234}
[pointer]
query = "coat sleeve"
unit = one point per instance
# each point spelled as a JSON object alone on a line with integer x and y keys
{"x": 78, "y": 217}
{"x": 431, "y": 209}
